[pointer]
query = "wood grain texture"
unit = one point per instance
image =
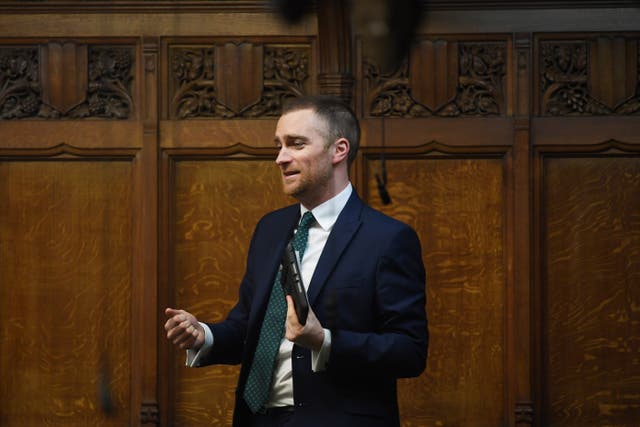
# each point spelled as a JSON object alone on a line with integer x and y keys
{"x": 90, "y": 134}
{"x": 217, "y": 204}
{"x": 156, "y": 24}
{"x": 456, "y": 206}
{"x": 216, "y": 133}
{"x": 591, "y": 304}
{"x": 65, "y": 305}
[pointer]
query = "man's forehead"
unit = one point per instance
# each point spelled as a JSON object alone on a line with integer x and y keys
{"x": 299, "y": 122}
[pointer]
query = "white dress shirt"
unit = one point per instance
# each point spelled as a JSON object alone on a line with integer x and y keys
{"x": 281, "y": 393}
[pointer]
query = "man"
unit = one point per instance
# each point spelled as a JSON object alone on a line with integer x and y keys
{"x": 365, "y": 280}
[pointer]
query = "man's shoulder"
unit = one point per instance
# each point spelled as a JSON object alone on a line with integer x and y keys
{"x": 389, "y": 233}
{"x": 285, "y": 214}
{"x": 379, "y": 218}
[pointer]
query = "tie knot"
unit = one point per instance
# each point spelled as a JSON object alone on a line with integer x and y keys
{"x": 306, "y": 221}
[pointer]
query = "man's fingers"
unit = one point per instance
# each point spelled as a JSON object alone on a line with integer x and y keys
{"x": 293, "y": 327}
{"x": 180, "y": 339}
{"x": 188, "y": 343}
{"x": 174, "y": 322}
{"x": 292, "y": 316}
{"x": 174, "y": 318}
{"x": 170, "y": 312}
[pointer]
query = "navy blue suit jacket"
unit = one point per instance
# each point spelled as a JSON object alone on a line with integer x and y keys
{"x": 368, "y": 289}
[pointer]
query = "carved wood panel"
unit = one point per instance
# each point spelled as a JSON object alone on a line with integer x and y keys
{"x": 441, "y": 77}
{"x": 591, "y": 320}
{"x": 216, "y": 203}
{"x": 236, "y": 80}
{"x": 457, "y": 207}
{"x": 65, "y": 292}
{"x": 598, "y": 74}
{"x": 66, "y": 80}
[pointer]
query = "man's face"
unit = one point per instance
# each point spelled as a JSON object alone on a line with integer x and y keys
{"x": 304, "y": 159}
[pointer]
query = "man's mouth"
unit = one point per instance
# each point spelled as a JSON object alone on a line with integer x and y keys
{"x": 290, "y": 173}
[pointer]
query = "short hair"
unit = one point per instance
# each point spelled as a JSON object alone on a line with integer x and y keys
{"x": 341, "y": 120}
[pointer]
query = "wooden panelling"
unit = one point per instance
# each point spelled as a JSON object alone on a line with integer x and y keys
{"x": 70, "y": 136}
{"x": 209, "y": 78}
{"x": 518, "y": 253}
{"x": 67, "y": 80}
{"x": 65, "y": 292}
{"x": 587, "y": 74}
{"x": 591, "y": 320}
{"x": 221, "y": 134}
{"x": 566, "y": 131}
{"x": 484, "y": 134}
{"x": 107, "y": 23}
{"x": 457, "y": 207}
{"x": 468, "y": 72}
{"x": 216, "y": 204}
{"x": 136, "y": 155}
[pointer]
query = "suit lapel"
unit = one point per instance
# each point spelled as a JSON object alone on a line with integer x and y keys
{"x": 279, "y": 234}
{"x": 343, "y": 231}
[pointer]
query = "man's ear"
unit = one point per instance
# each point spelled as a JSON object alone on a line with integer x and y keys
{"x": 341, "y": 152}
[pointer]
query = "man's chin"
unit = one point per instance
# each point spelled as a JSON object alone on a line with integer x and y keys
{"x": 290, "y": 190}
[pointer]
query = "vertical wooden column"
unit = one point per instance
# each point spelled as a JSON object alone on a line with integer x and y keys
{"x": 145, "y": 316}
{"x": 521, "y": 367}
{"x": 334, "y": 34}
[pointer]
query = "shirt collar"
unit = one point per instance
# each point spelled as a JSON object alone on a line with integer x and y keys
{"x": 327, "y": 213}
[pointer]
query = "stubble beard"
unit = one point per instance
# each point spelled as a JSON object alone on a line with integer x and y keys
{"x": 309, "y": 190}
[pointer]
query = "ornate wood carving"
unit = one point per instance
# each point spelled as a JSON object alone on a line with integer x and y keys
{"x": 110, "y": 83}
{"x": 200, "y": 91}
{"x": 19, "y": 83}
{"x": 476, "y": 87}
{"x": 599, "y": 77}
{"x": 61, "y": 82}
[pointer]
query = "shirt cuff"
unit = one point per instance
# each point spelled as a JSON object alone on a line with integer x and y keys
{"x": 194, "y": 356}
{"x": 320, "y": 358}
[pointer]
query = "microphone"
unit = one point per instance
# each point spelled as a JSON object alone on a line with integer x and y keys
{"x": 382, "y": 182}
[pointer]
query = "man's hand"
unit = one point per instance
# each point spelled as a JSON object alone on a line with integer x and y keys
{"x": 310, "y": 335}
{"x": 183, "y": 329}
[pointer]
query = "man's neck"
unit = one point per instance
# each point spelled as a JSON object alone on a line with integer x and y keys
{"x": 331, "y": 192}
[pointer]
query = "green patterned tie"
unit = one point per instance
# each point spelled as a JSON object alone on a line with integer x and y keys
{"x": 256, "y": 390}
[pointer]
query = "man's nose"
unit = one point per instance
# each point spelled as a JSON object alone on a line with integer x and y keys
{"x": 283, "y": 156}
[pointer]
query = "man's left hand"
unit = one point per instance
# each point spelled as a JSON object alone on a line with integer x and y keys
{"x": 310, "y": 335}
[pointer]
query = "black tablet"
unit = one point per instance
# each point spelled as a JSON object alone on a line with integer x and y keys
{"x": 292, "y": 283}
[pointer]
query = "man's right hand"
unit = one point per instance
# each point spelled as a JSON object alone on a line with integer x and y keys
{"x": 183, "y": 329}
